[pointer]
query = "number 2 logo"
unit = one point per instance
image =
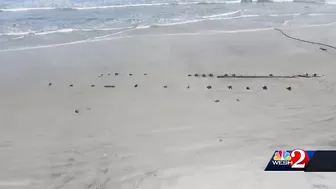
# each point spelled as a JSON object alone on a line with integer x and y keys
{"x": 299, "y": 158}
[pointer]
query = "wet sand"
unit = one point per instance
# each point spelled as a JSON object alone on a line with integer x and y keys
{"x": 175, "y": 137}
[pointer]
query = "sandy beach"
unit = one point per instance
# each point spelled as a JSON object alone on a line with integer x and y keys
{"x": 178, "y": 137}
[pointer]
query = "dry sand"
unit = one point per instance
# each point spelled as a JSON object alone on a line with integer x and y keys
{"x": 152, "y": 137}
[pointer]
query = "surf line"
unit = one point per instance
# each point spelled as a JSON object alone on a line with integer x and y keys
{"x": 305, "y": 41}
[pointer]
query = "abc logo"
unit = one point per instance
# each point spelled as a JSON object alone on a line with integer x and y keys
{"x": 299, "y": 159}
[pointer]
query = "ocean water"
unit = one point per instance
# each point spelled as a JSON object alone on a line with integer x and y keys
{"x": 42, "y": 23}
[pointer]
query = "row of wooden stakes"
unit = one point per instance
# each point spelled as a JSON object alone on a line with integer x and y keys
{"x": 306, "y": 75}
{"x": 165, "y": 86}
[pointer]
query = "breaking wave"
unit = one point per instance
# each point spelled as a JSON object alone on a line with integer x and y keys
{"x": 65, "y": 30}
{"x": 111, "y": 6}
{"x": 224, "y": 14}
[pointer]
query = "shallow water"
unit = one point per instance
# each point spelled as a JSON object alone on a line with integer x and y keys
{"x": 33, "y": 23}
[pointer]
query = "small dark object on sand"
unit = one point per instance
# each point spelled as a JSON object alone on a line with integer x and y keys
{"x": 196, "y": 75}
{"x": 189, "y": 75}
{"x": 92, "y": 85}
{"x": 116, "y": 74}
{"x": 211, "y": 75}
{"x": 50, "y": 84}
{"x": 209, "y": 87}
{"x": 247, "y": 88}
{"x": 71, "y": 85}
{"x": 203, "y": 75}
{"x": 230, "y": 87}
{"x": 130, "y": 74}
{"x": 165, "y": 86}
{"x": 289, "y": 88}
{"x": 76, "y": 111}
{"x": 220, "y": 140}
{"x": 108, "y": 74}
{"x": 71, "y": 159}
{"x": 109, "y": 86}
{"x": 315, "y": 75}
{"x": 101, "y": 75}
{"x": 145, "y": 73}
{"x": 237, "y": 100}
{"x": 323, "y": 49}
{"x": 216, "y": 100}
{"x": 188, "y": 87}
{"x": 302, "y": 75}
{"x": 136, "y": 85}
{"x": 264, "y": 87}
{"x": 271, "y": 75}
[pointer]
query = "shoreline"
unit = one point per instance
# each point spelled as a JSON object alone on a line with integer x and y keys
{"x": 214, "y": 27}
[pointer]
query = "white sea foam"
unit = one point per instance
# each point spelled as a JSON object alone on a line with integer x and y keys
{"x": 316, "y": 14}
{"x": 223, "y": 14}
{"x": 63, "y": 44}
{"x": 65, "y": 30}
{"x": 331, "y": 2}
{"x": 143, "y": 26}
{"x": 56, "y": 31}
{"x": 278, "y": 15}
{"x": 26, "y": 9}
{"x": 298, "y": 14}
{"x": 201, "y": 20}
{"x": 179, "y": 23}
{"x": 121, "y": 6}
{"x": 16, "y": 33}
{"x": 236, "y": 17}
{"x": 108, "y": 29}
{"x": 20, "y": 37}
{"x": 233, "y": 2}
{"x": 149, "y": 4}
{"x": 282, "y": 1}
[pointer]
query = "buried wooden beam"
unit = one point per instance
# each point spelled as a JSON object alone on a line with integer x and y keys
{"x": 273, "y": 76}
